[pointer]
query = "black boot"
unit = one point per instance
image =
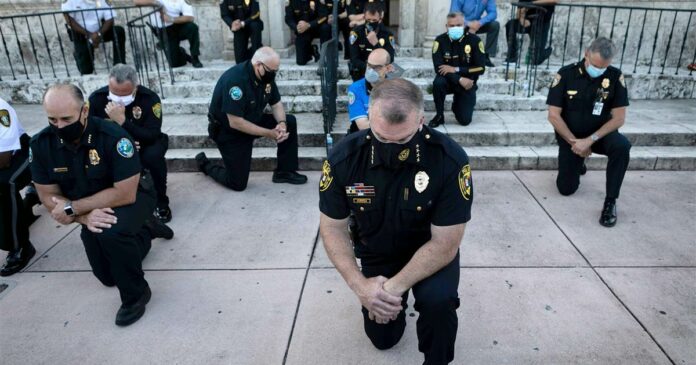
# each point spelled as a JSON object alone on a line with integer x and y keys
{"x": 158, "y": 229}
{"x": 164, "y": 214}
{"x": 196, "y": 62}
{"x": 437, "y": 121}
{"x": 202, "y": 161}
{"x": 289, "y": 177}
{"x": 608, "y": 218}
{"x": 129, "y": 315}
{"x": 17, "y": 260}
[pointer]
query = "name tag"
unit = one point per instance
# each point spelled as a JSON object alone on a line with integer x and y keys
{"x": 60, "y": 169}
{"x": 597, "y": 110}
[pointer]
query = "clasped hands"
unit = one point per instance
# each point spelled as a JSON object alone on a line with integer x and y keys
{"x": 581, "y": 146}
{"x": 382, "y": 302}
{"x": 279, "y": 133}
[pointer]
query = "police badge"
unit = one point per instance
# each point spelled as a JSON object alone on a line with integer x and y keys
{"x": 421, "y": 181}
{"x": 94, "y": 157}
{"x": 268, "y": 88}
{"x": 137, "y": 112}
{"x": 605, "y": 83}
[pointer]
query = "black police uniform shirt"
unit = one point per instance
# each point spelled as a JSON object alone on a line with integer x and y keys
{"x": 357, "y": 7}
{"x": 360, "y": 47}
{"x": 143, "y": 115}
{"x": 244, "y": 10}
{"x": 297, "y": 10}
{"x": 587, "y": 102}
{"x": 326, "y": 8}
{"x": 238, "y": 92}
{"x": 394, "y": 208}
{"x": 467, "y": 55}
{"x": 104, "y": 156}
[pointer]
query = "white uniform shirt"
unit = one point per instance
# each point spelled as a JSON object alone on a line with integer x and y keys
{"x": 10, "y": 128}
{"x": 90, "y": 20}
{"x": 173, "y": 9}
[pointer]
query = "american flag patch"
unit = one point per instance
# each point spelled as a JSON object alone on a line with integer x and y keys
{"x": 360, "y": 189}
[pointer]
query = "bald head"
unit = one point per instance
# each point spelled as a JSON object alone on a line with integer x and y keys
{"x": 379, "y": 57}
{"x": 64, "y": 104}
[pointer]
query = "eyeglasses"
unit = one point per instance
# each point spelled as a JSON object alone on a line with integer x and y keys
{"x": 376, "y": 67}
{"x": 266, "y": 68}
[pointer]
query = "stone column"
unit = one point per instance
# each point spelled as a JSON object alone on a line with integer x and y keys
{"x": 407, "y": 23}
{"x": 433, "y": 22}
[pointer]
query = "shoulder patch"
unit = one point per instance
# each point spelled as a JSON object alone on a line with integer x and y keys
{"x": 465, "y": 181}
{"x": 5, "y": 118}
{"x": 236, "y": 93}
{"x": 353, "y": 37}
{"x": 326, "y": 178}
{"x": 351, "y": 98}
{"x": 436, "y": 45}
{"x": 157, "y": 110}
{"x": 481, "y": 48}
{"x": 124, "y": 147}
{"x": 622, "y": 81}
{"x": 556, "y": 80}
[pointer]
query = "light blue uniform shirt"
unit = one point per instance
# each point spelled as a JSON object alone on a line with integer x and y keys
{"x": 358, "y": 100}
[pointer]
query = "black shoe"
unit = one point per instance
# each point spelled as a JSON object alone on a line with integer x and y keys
{"x": 163, "y": 214}
{"x": 17, "y": 260}
{"x": 583, "y": 169}
{"x": 196, "y": 63}
{"x": 437, "y": 121}
{"x": 488, "y": 62}
{"x": 202, "y": 161}
{"x": 289, "y": 177}
{"x": 158, "y": 229}
{"x": 315, "y": 52}
{"x": 608, "y": 218}
{"x": 185, "y": 54}
{"x": 131, "y": 314}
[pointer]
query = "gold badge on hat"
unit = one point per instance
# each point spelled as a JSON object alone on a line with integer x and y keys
{"x": 421, "y": 181}
{"x": 605, "y": 83}
{"x": 94, "y": 157}
{"x": 403, "y": 155}
{"x": 467, "y": 49}
{"x": 137, "y": 112}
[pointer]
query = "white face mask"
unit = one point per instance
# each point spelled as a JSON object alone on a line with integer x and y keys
{"x": 125, "y": 100}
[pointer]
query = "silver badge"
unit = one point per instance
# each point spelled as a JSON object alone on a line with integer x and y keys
{"x": 421, "y": 181}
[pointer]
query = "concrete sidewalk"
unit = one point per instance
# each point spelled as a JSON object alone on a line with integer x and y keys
{"x": 246, "y": 281}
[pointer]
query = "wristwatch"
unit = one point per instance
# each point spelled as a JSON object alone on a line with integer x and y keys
{"x": 594, "y": 138}
{"x": 69, "y": 209}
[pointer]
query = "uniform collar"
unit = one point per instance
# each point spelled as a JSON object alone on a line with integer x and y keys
{"x": 416, "y": 149}
{"x": 87, "y": 139}
{"x": 252, "y": 74}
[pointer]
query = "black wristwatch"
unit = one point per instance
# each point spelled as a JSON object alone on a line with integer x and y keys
{"x": 69, "y": 211}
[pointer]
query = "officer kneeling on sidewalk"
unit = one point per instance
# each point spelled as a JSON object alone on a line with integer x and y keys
{"x": 86, "y": 170}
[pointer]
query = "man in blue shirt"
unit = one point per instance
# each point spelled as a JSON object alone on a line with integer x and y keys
{"x": 378, "y": 66}
{"x": 478, "y": 23}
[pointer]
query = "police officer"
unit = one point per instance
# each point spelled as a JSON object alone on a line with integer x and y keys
{"x": 378, "y": 66}
{"x": 243, "y": 17}
{"x": 14, "y": 175}
{"x": 86, "y": 170}
{"x": 367, "y": 37}
{"x": 176, "y": 19}
{"x": 587, "y": 105}
{"x": 236, "y": 118}
{"x": 459, "y": 59}
{"x": 356, "y": 11}
{"x": 410, "y": 189}
{"x": 304, "y": 19}
{"x": 326, "y": 9}
{"x": 139, "y": 111}
{"x": 89, "y": 29}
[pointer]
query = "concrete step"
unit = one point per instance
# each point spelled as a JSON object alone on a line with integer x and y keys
{"x": 487, "y": 129}
{"x": 287, "y": 88}
{"x": 482, "y": 158}
{"x": 313, "y": 103}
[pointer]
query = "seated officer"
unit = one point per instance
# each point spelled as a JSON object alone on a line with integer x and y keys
{"x": 236, "y": 118}
{"x": 367, "y": 37}
{"x": 176, "y": 18}
{"x": 88, "y": 29}
{"x": 587, "y": 106}
{"x": 86, "y": 171}
{"x": 378, "y": 66}
{"x": 326, "y": 9}
{"x": 523, "y": 24}
{"x": 14, "y": 175}
{"x": 304, "y": 19}
{"x": 356, "y": 11}
{"x": 459, "y": 60}
{"x": 243, "y": 17}
{"x": 139, "y": 111}
{"x": 410, "y": 190}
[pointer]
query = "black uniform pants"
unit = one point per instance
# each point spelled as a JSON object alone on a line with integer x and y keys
{"x": 344, "y": 28}
{"x": 437, "y": 301}
{"x": 491, "y": 30}
{"x": 84, "y": 52}
{"x": 538, "y": 39}
{"x": 614, "y": 145}
{"x": 11, "y": 202}
{"x": 303, "y": 42}
{"x": 236, "y": 154}
{"x": 177, "y": 33}
{"x": 116, "y": 254}
{"x": 463, "y": 103}
{"x": 152, "y": 158}
{"x": 251, "y": 30}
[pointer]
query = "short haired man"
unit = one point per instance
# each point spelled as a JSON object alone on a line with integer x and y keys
{"x": 367, "y": 37}
{"x": 378, "y": 66}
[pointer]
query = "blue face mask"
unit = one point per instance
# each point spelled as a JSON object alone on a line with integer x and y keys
{"x": 595, "y": 72}
{"x": 455, "y": 32}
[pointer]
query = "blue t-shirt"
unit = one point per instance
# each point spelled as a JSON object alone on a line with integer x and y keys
{"x": 358, "y": 100}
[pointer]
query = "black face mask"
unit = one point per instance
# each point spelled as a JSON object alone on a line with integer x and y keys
{"x": 268, "y": 76}
{"x": 70, "y": 132}
{"x": 372, "y": 26}
{"x": 394, "y": 155}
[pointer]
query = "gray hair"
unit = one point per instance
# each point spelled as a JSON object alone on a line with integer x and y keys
{"x": 122, "y": 73}
{"x": 264, "y": 55}
{"x": 604, "y": 47}
{"x": 398, "y": 99}
{"x": 70, "y": 89}
{"x": 455, "y": 14}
